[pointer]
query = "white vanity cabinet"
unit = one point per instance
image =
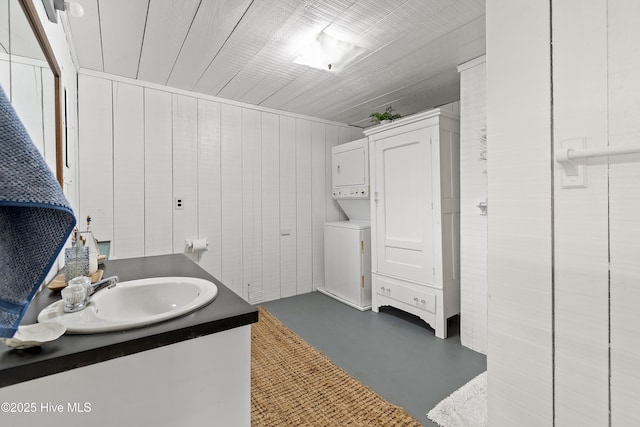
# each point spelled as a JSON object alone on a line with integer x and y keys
{"x": 415, "y": 216}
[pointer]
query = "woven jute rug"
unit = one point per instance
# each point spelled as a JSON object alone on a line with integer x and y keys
{"x": 293, "y": 384}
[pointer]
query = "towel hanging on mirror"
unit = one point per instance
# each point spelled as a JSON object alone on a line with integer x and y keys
{"x": 35, "y": 219}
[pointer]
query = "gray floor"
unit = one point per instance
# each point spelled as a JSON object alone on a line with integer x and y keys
{"x": 394, "y": 353}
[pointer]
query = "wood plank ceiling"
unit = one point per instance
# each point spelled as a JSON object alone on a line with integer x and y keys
{"x": 243, "y": 50}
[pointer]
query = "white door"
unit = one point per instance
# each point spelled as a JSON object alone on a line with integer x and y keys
{"x": 404, "y": 206}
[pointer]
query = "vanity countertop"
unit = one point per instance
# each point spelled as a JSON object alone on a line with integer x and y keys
{"x": 227, "y": 311}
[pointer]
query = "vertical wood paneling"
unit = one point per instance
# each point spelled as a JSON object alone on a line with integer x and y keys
{"x": 580, "y": 215}
{"x": 252, "y": 205}
{"x": 128, "y": 171}
{"x": 122, "y": 25}
{"x": 270, "y": 206}
{"x": 344, "y": 136}
{"x": 332, "y": 137}
{"x": 185, "y": 171}
{"x": 211, "y": 27}
{"x": 30, "y": 89}
{"x": 209, "y": 186}
{"x": 245, "y": 178}
{"x": 304, "y": 233}
{"x": 160, "y": 46}
{"x": 71, "y": 183}
{"x": 624, "y": 196}
{"x": 288, "y": 228}
{"x": 473, "y": 226}
{"x": 95, "y": 133}
{"x": 158, "y": 173}
{"x": 87, "y": 41}
{"x": 49, "y": 118}
{"x": 519, "y": 243}
{"x": 356, "y": 133}
{"x": 231, "y": 173}
{"x": 319, "y": 193}
{"x": 26, "y": 99}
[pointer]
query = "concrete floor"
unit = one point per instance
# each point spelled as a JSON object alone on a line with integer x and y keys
{"x": 394, "y": 353}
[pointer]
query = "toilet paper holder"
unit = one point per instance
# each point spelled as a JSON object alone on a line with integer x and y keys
{"x": 198, "y": 245}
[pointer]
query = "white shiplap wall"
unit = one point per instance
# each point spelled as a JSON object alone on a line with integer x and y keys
{"x": 184, "y": 172}
{"x": 209, "y": 172}
{"x": 519, "y": 355}
{"x": 270, "y": 207}
{"x": 231, "y": 196}
{"x": 473, "y": 190}
{"x": 255, "y": 183}
{"x": 252, "y": 203}
{"x": 158, "y": 159}
{"x": 95, "y": 153}
{"x": 28, "y": 84}
{"x": 304, "y": 199}
{"x": 580, "y": 217}
{"x": 564, "y": 348}
{"x": 128, "y": 175}
{"x": 624, "y": 195}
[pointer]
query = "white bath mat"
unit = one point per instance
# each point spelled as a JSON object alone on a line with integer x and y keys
{"x": 465, "y": 407}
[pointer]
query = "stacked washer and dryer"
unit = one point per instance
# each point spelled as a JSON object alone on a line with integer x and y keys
{"x": 347, "y": 244}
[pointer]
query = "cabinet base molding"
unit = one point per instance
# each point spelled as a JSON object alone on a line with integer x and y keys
{"x": 426, "y": 302}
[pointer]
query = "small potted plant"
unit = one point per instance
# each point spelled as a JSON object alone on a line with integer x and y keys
{"x": 389, "y": 115}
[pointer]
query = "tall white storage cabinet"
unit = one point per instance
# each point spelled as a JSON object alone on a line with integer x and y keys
{"x": 415, "y": 216}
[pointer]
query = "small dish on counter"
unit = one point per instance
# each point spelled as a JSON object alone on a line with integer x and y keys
{"x": 58, "y": 283}
{"x": 35, "y": 335}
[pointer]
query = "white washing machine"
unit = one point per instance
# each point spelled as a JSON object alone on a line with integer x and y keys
{"x": 347, "y": 262}
{"x": 347, "y": 244}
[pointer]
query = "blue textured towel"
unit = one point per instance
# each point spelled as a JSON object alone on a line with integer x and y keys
{"x": 35, "y": 219}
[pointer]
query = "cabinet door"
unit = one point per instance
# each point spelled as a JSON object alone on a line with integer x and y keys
{"x": 404, "y": 206}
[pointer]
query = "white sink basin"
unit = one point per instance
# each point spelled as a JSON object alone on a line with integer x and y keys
{"x": 133, "y": 304}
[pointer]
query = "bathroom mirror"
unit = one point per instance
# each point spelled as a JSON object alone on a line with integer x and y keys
{"x": 30, "y": 77}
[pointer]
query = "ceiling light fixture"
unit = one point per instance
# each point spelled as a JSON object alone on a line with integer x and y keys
{"x": 328, "y": 53}
{"x": 52, "y": 6}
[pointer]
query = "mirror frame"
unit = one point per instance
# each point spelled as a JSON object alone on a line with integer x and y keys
{"x": 38, "y": 30}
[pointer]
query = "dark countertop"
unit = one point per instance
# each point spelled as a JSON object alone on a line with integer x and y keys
{"x": 226, "y": 311}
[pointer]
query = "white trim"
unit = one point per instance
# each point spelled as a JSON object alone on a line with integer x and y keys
{"x": 24, "y": 60}
{"x": 344, "y": 301}
{"x": 198, "y": 95}
{"x": 472, "y": 63}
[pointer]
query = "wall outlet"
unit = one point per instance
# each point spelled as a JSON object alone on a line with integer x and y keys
{"x": 179, "y": 203}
